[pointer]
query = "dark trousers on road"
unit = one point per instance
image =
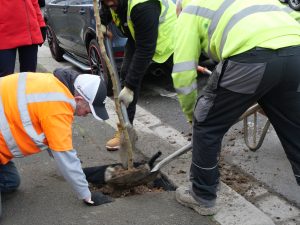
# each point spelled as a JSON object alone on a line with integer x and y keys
{"x": 269, "y": 77}
{"x": 27, "y": 59}
{"x": 9, "y": 177}
{"x": 9, "y": 180}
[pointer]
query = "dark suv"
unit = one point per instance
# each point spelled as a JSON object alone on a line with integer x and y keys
{"x": 71, "y": 34}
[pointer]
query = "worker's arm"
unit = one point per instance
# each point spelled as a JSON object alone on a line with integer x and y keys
{"x": 145, "y": 18}
{"x": 70, "y": 167}
{"x": 186, "y": 55}
{"x": 129, "y": 52}
{"x": 57, "y": 127}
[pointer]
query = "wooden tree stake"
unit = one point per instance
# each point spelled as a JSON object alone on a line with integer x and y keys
{"x": 113, "y": 77}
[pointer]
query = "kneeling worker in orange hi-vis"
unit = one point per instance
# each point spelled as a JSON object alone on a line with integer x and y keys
{"x": 36, "y": 114}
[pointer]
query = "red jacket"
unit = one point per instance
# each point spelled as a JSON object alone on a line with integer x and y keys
{"x": 20, "y": 22}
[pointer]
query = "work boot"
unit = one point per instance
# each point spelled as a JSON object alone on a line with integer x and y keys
{"x": 114, "y": 143}
{"x": 186, "y": 197}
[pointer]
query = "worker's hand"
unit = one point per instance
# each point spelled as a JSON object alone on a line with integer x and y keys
{"x": 126, "y": 96}
{"x": 97, "y": 198}
{"x": 190, "y": 117}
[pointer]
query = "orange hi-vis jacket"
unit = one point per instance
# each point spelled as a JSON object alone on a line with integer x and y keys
{"x": 36, "y": 113}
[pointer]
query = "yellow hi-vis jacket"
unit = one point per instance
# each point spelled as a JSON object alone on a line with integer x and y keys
{"x": 36, "y": 113}
{"x": 293, "y": 13}
{"x": 221, "y": 29}
{"x": 167, "y": 20}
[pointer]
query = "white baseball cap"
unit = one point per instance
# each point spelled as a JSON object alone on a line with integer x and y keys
{"x": 93, "y": 89}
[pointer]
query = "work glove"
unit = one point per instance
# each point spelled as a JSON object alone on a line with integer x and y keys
{"x": 98, "y": 198}
{"x": 126, "y": 96}
{"x": 44, "y": 34}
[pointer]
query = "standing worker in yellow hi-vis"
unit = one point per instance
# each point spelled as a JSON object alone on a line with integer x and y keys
{"x": 149, "y": 26}
{"x": 36, "y": 114}
{"x": 257, "y": 45}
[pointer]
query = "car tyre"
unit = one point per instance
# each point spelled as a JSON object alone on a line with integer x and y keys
{"x": 294, "y": 4}
{"x": 98, "y": 65}
{"x": 56, "y": 51}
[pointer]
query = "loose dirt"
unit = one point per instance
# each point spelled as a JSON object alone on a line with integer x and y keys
{"x": 119, "y": 193}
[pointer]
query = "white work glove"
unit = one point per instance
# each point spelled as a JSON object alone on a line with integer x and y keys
{"x": 126, "y": 96}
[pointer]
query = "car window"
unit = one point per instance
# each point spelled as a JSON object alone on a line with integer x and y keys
{"x": 59, "y": 2}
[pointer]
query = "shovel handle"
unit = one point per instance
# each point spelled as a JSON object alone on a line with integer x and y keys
{"x": 125, "y": 115}
{"x": 171, "y": 157}
{"x": 203, "y": 70}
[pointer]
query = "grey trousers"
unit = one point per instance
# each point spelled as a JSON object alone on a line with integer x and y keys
{"x": 269, "y": 77}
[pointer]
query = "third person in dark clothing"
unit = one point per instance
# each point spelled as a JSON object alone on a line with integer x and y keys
{"x": 149, "y": 27}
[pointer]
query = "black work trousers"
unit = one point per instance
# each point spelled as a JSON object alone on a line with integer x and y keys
{"x": 269, "y": 77}
{"x": 27, "y": 59}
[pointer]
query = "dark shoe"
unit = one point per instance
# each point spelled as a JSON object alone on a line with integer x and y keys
{"x": 185, "y": 197}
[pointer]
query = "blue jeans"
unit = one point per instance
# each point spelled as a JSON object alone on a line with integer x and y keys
{"x": 9, "y": 177}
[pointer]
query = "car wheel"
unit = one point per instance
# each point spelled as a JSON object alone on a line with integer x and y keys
{"x": 294, "y": 4}
{"x": 97, "y": 64}
{"x": 56, "y": 51}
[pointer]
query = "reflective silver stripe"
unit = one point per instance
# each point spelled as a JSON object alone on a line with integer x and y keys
{"x": 203, "y": 168}
{"x": 24, "y": 114}
{"x": 162, "y": 18}
{"x": 50, "y": 97}
{"x": 214, "y": 23}
{"x": 186, "y": 90}
{"x": 7, "y": 135}
{"x": 198, "y": 11}
{"x": 242, "y": 14}
{"x": 184, "y": 66}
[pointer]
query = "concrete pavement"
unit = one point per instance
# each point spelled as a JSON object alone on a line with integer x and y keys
{"x": 44, "y": 198}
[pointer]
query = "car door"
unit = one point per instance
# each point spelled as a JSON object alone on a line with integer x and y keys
{"x": 79, "y": 16}
{"x": 57, "y": 20}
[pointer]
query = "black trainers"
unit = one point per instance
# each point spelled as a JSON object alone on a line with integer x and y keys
{"x": 185, "y": 197}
